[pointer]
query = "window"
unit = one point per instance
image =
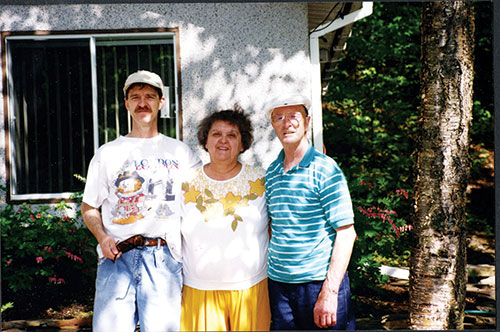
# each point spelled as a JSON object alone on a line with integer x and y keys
{"x": 65, "y": 100}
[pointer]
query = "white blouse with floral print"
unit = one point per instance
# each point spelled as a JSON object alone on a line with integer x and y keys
{"x": 224, "y": 230}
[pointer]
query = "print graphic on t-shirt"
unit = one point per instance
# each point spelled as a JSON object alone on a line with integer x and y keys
{"x": 144, "y": 187}
{"x": 130, "y": 197}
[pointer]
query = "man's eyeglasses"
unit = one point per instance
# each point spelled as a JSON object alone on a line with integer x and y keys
{"x": 294, "y": 118}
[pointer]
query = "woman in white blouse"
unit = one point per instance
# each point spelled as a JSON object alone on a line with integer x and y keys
{"x": 225, "y": 233}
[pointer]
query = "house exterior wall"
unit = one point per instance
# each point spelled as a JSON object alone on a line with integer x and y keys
{"x": 230, "y": 53}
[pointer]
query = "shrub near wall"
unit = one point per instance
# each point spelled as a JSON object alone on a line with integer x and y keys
{"x": 48, "y": 259}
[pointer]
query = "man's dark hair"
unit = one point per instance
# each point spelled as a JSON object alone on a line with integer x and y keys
{"x": 235, "y": 117}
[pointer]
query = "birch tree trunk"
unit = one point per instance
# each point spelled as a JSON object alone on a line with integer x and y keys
{"x": 438, "y": 255}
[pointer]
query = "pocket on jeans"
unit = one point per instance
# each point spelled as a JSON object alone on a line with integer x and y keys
{"x": 171, "y": 263}
{"x": 103, "y": 269}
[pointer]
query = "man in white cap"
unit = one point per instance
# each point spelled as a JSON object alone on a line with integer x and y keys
{"x": 139, "y": 275}
{"x": 312, "y": 227}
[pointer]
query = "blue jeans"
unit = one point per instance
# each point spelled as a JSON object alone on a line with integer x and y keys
{"x": 292, "y": 306}
{"x": 143, "y": 285}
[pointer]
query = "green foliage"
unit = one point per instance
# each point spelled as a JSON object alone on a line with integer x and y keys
{"x": 370, "y": 118}
{"x": 6, "y": 306}
{"x": 482, "y": 114}
{"x": 47, "y": 256}
{"x": 481, "y": 196}
{"x": 371, "y": 122}
{"x": 482, "y": 129}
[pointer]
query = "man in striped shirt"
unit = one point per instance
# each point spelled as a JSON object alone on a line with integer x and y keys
{"x": 312, "y": 228}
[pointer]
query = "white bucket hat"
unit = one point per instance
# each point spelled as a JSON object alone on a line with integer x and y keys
{"x": 287, "y": 100}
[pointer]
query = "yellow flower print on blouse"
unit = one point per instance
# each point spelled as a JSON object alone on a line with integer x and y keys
{"x": 230, "y": 202}
{"x": 216, "y": 200}
{"x": 257, "y": 187}
{"x": 191, "y": 194}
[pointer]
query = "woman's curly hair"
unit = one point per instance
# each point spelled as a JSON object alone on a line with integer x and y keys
{"x": 235, "y": 117}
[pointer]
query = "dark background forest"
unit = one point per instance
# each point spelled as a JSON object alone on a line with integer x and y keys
{"x": 371, "y": 118}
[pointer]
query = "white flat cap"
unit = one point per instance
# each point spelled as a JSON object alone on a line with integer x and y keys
{"x": 143, "y": 76}
{"x": 287, "y": 100}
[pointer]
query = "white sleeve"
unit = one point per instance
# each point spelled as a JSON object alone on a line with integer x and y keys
{"x": 194, "y": 159}
{"x": 95, "y": 184}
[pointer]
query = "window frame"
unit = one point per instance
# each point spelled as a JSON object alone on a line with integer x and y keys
{"x": 91, "y": 36}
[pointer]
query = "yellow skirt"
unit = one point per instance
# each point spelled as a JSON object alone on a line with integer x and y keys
{"x": 226, "y": 310}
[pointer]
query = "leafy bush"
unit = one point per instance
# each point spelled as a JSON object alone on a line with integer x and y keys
{"x": 383, "y": 234}
{"x": 370, "y": 113}
{"x": 47, "y": 258}
{"x": 370, "y": 121}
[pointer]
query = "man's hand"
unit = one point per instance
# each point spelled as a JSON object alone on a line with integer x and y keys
{"x": 108, "y": 247}
{"x": 325, "y": 309}
{"x": 93, "y": 221}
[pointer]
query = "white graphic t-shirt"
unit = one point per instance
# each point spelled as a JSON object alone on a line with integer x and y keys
{"x": 137, "y": 182}
{"x": 224, "y": 230}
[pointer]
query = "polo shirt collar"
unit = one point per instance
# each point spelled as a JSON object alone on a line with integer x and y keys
{"x": 306, "y": 160}
{"x": 308, "y": 157}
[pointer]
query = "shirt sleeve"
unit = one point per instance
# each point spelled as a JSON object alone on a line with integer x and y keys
{"x": 194, "y": 160}
{"x": 95, "y": 184}
{"x": 336, "y": 199}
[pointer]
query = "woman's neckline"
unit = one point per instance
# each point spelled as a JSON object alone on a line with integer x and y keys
{"x": 215, "y": 176}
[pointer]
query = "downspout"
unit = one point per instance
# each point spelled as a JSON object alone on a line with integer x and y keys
{"x": 316, "y": 114}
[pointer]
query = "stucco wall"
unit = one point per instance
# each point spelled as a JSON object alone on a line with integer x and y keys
{"x": 230, "y": 53}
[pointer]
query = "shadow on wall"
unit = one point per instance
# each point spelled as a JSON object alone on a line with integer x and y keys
{"x": 257, "y": 62}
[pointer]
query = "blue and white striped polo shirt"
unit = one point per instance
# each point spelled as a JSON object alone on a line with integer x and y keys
{"x": 305, "y": 205}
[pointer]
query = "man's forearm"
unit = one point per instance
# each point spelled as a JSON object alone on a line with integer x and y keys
{"x": 92, "y": 219}
{"x": 341, "y": 255}
{"x": 325, "y": 308}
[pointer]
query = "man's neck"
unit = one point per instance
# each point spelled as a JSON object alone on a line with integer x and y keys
{"x": 294, "y": 154}
{"x": 148, "y": 132}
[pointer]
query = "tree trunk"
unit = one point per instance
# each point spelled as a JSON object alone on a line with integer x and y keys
{"x": 438, "y": 253}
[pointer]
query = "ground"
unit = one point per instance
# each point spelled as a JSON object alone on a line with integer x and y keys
{"x": 389, "y": 309}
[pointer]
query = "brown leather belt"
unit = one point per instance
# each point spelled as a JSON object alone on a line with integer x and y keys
{"x": 138, "y": 241}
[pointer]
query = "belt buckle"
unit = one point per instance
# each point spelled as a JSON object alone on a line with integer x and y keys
{"x": 139, "y": 241}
